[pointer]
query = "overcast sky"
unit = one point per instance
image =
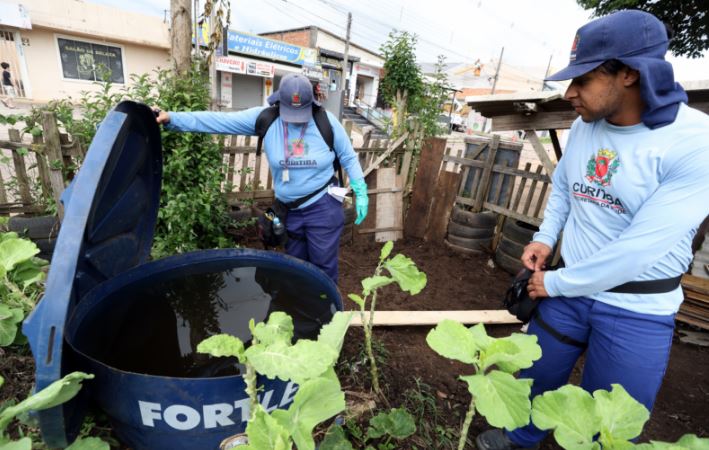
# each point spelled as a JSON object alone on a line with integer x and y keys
{"x": 463, "y": 30}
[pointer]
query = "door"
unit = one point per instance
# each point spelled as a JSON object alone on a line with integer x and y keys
{"x": 247, "y": 91}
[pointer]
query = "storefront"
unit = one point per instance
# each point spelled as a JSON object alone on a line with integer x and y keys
{"x": 366, "y": 84}
{"x": 255, "y": 66}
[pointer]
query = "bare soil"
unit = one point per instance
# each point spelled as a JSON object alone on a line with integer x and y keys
{"x": 416, "y": 377}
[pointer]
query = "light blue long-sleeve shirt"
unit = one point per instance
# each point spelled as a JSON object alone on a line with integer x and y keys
{"x": 308, "y": 167}
{"x": 629, "y": 201}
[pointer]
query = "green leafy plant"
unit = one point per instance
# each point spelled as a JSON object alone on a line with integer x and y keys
{"x": 403, "y": 271}
{"x": 396, "y": 424}
{"x": 308, "y": 363}
{"x": 608, "y": 420}
{"x": 22, "y": 276}
{"x": 496, "y": 394}
{"x": 55, "y": 394}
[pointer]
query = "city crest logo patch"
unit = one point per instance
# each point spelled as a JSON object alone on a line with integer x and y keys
{"x": 574, "y": 46}
{"x": 602, "y": 166}
{"x": 295, "y": 99}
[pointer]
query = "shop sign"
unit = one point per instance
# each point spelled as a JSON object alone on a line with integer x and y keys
{"x": 269, "y": 48}
{"x": 260, "y": 69}
{"x": 230, "y": 64}
{"x": 225, "y": 92}
{"x": 367, "y": 70}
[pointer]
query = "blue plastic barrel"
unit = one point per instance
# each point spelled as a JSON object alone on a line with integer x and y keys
{"x": 135, "y": 324}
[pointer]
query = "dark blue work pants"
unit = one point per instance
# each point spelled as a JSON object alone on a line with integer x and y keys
{"x": 623, "y": 347}
{"x": 314, "y": 233}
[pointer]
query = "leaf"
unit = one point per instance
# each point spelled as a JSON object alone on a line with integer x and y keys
{"x": 622, "y": 417}
{"x": 299, "y": 363}
{"x": 406, "y": 273}
{"x": 333, "y": 333}
{"x": 686, "y": 442}
{"x": 371, "y": 284}
{"x": 316, "y": 401}
{"x": 452, "y": 340}
{"x": 89, "y": 443}
{"x": 501, "y": 398}
{"x": 528, "y": 352}
{"x": 23, "y": 444}
{"x": 386, "y": 250}
{"x": 278, "y": 328}
{"x": 55, "y": 394}
{"x": 335, "y": 439}
{"x": 14, "y": 251}
{"x": 357, "y": 299}
{"x": 397, "y": 423}
{"x": 550, "y": 411}
{"x": 222, "y": 345}
{"x": 265, "y": 433}
{"x": 9, "y": 318}
{"x": 482, "y": 340}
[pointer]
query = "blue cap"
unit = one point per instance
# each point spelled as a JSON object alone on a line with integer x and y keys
{"x": 623, "y": 34}
{"x": 295, "y": 97}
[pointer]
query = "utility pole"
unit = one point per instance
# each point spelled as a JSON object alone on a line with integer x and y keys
{"x": 345, "y": 64}
{"x": 546, "y": 74}
{"x": 180, "y": 42}
{"x": 497, "y": 71}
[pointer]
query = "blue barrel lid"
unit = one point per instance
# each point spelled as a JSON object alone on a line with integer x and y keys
{"x": 111, "y": 209}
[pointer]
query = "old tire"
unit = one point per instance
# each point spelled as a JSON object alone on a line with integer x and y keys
{"x": 481, "y": 245}
{"x": 519, "y": 232}
{"x": 240, "y": 214}
{"x": 46, "y": 247}
{"x": 511, "y": 248}
{"x": 463, "y": 250}
{"x": 484, "y": 219}
{"x": 465, "y": 231}
{"x": 508, "y": 263}
{"x": 40, "y": 227}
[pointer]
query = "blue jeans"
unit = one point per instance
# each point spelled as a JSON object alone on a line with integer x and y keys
{"x": 314, "y": 233}
{"x": 623, "y": 347}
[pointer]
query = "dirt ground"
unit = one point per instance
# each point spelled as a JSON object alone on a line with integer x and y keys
{"x": 418, "y": 378}
{"x": 458, "y": 282}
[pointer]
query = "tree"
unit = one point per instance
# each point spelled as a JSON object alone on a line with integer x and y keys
{"x": 688, "y": 19}
{"x": 402, "y": 77}
{"x": 181, "y": 35}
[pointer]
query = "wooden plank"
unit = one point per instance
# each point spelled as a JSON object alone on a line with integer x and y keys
{"x": 530, "y": 194}
{"x": 555, "y": 143}
{"x": 3, "y": 193}
{"x": 540, "y": 151}
{"x": 231, "y": 159}
{"x": 23, "y": 181}
{"x": 498, "y": 168}
{"x": 389, "y": 206}
{"x": 540, "y": 199}
{"x": 520, "y": 188}
{"x": 686, "y": 319}
{"x": 384, "y": 190}
{"x": 557, "y": 120}
{"x": 694, "y": 283}
{"x": 54, "y": 159}
{"x": 409, "y": 318}
{"x": 441, "y": 206}
{"x": 385, "y": 155}
{"x": 236, "y": 197}
{"x": 377, "y": 230}
{"x": 497, "y": 190}
{"x": 242, "y": 171}
{"x": 512, "y": 214}
{"x": 257, "y": 173}
{"x": 486, "y": 174}
{"x": 43, "y": 168}
{"x": 417, "y": 215}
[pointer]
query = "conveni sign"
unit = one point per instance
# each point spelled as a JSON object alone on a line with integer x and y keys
{"x": 268, "y": 48}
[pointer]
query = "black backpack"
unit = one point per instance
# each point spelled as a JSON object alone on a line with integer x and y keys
{"x": 270, "y": 114}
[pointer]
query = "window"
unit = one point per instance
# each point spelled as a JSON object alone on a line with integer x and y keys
{"x": 84, "y": 60}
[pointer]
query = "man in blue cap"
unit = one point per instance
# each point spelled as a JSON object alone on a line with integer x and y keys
{"x": 628, "y": 194}
{"x": 301, "y": 163}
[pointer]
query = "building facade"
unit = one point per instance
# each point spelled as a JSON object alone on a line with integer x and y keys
{"x": 59, "y": 48}
{"x": 364, "y": 67}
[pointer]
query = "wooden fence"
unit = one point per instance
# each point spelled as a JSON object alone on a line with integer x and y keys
{"x": 39, "y": 170}
{"x": 520, "y": 194}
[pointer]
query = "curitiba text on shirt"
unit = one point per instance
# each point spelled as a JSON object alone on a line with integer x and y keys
{"x": 297, "y": 163}
{"x": 598, "y": 197}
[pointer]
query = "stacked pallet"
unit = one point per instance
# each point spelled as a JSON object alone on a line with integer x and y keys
{"x": 695, "y": 308}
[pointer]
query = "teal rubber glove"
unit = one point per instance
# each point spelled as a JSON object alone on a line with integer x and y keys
{"x": 359, "y": 187}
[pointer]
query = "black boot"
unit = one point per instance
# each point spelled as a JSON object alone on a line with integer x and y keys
{"x": 496, "y": 439}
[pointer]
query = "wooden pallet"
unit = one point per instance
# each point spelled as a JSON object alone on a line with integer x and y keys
{"x": 695, "y": 308}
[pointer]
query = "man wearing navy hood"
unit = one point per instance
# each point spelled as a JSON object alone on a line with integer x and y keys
{"x": 628, "y": 194}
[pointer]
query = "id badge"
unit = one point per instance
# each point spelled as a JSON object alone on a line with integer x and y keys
{"x": 285, "y": 177}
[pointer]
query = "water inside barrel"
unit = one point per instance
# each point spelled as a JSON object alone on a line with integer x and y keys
{"x": 154, "y": 327}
